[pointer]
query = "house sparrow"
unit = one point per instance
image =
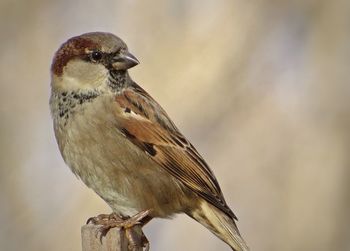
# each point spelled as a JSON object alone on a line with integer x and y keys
{"x": 120, "y": 142}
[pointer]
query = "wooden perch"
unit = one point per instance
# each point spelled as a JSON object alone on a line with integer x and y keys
{"x": 115, "y": 239}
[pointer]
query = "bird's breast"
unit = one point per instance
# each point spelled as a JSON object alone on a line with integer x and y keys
{"x": 106, "y": 161}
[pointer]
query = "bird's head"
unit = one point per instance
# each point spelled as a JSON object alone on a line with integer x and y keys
{"x": 84, "y": 62}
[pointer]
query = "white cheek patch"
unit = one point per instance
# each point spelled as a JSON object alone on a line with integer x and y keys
{"x": 70, "y": 83}
{"x": 79, "y": 74}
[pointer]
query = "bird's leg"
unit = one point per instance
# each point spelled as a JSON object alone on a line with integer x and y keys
{"x": 135, "y": 238}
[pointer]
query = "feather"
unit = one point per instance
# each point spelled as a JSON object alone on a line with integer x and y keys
{"x": 141, "y": 119}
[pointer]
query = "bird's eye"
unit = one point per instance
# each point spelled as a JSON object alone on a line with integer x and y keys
{"x": 96, "y": 56}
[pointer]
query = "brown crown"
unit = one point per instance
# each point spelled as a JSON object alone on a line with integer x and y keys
{"x": 74, "y": 47}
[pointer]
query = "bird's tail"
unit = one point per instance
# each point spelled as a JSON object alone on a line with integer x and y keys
{"x": 220, "y": 224}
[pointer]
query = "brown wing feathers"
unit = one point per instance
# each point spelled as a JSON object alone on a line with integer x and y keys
{"x": 153, "y": 132}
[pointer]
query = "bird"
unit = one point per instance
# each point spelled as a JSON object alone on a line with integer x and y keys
{"x": 122, "y": 144}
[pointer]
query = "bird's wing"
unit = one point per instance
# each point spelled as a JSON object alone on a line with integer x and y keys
{"x": 141, "y": 119}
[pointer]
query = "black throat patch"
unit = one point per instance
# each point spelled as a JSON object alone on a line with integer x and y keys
{"x": 118, "y": 80}
{"x": 68, "y": 102}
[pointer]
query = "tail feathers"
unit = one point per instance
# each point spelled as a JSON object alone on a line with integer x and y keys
{"x": 221, "y": 225}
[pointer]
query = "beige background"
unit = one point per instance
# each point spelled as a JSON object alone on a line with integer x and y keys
{"x": 261, "y": 88}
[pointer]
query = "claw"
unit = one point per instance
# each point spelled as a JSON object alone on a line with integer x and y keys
{"x": 102, "y": 231}
{"x": 99, "y": 219}
{"x": 108, "y": 221}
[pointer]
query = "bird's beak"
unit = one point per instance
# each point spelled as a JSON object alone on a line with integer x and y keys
{"x": 124, "y": 61}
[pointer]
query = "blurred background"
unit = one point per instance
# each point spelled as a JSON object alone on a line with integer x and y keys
{"x": 261, "y": 88}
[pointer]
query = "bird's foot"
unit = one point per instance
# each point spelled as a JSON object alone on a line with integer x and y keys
{"x": 100, "y": 219}
{"x": 136, "y": 238}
